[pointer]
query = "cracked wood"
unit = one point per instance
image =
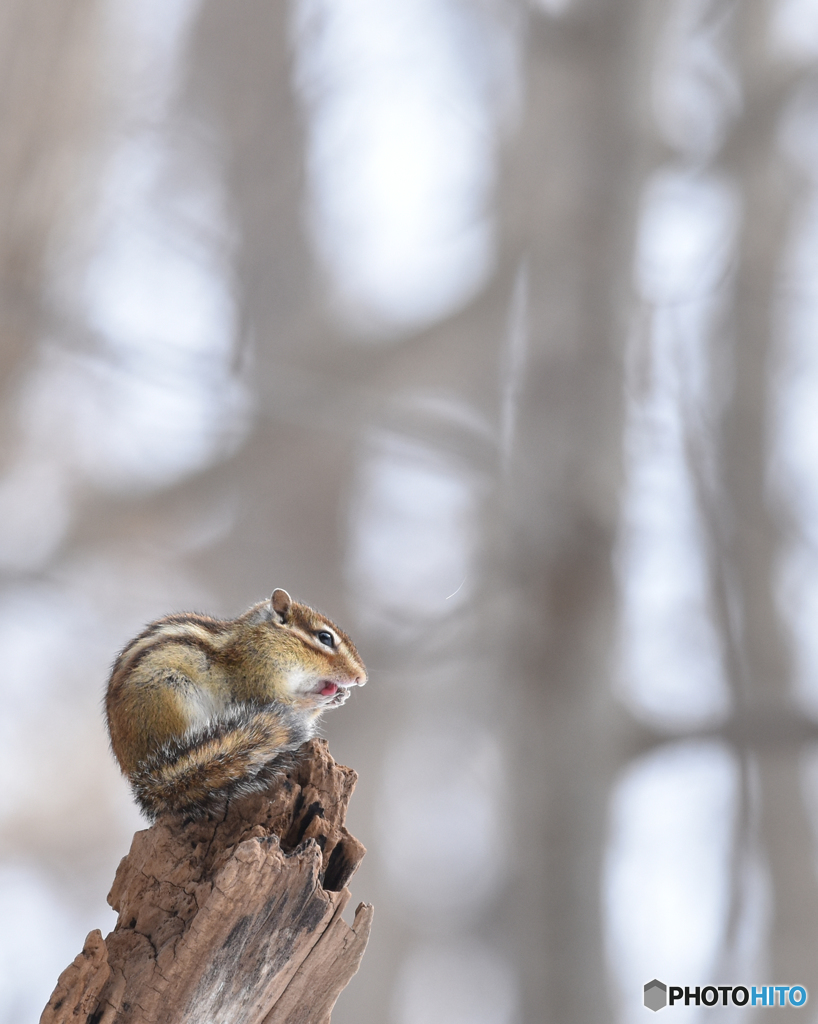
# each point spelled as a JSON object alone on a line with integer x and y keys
{"x": 235, "y": 918}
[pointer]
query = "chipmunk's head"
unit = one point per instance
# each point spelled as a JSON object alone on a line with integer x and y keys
{"x": 315, "y": 660}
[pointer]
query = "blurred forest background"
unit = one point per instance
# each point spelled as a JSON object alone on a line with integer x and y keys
{"x": 491, "y": 330}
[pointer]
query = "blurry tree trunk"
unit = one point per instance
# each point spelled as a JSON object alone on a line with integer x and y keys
{"x": 570, "y": 202}
{"x": 48, "y": 119}
{"x": 232, "y": 920}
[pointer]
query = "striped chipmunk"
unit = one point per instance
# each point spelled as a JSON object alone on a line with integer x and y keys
{"x": 200, "y": 709}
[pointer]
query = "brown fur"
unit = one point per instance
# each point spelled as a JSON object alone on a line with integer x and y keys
{"x": 200, "y": 708}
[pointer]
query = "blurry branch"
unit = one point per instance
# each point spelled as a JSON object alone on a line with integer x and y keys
{"x": 744, "y": 532}
{"x": 236, "y": 918}
{"x": 768, "y": 189}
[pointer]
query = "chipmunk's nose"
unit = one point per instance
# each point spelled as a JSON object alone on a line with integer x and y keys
{"x": 360, "y": 681}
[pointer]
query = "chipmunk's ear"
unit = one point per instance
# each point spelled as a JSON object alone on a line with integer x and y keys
{"x": 281, "y": 602}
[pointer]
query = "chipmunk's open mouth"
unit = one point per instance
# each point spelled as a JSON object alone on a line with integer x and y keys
{"x": 329, "y": 690}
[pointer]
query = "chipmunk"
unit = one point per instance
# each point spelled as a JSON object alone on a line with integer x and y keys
{"x": 199, "y": 709}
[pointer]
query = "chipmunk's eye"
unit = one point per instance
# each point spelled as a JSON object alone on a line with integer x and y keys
{"x": 326, "y": 638}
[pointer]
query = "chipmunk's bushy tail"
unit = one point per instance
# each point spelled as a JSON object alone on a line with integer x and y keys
{"x": 232, "y": 755}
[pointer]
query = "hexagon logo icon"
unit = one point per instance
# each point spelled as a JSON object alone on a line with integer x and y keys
{"x": 655, "y": 995}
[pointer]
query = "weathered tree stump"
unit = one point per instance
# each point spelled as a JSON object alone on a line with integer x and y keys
{"x": 235, "y": 918}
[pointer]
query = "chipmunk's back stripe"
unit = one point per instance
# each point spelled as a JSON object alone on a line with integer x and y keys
{"x": 187, "y": 637}
{"x": 178, "y": 625}
{"x": 206, "y": 622}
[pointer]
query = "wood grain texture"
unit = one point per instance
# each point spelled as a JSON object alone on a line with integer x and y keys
{"x": 235, "y": 918}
